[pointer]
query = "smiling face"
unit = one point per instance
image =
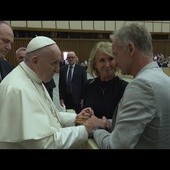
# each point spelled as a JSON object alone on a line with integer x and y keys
{"x": 6, "y": 38}
{"x": 105, "y": 65}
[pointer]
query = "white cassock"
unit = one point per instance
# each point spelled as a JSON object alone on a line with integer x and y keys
{"x": 29, "y": 119}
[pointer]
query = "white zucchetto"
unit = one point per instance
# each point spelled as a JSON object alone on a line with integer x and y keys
{"x": 39, "y": 42}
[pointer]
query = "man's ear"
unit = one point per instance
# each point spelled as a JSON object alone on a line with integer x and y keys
{"x": 34, "y": 60}
{"x": 131, "y": 47}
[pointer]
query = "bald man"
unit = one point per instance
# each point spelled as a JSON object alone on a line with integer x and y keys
{"x": 71, "y": 92}
{"x": 6, "y": 38}
{"x": 20, "y": 54}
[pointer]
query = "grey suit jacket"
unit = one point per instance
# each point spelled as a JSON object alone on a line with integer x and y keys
{"x": 143, "y": 115}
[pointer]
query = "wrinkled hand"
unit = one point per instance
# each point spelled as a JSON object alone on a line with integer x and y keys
{"x": 84, "y": 115}
{"x": 93, "y": 122}
{"x": 106, "y": 122}
{"x": 96, "y": 122}
{"x": 80, "y": 119}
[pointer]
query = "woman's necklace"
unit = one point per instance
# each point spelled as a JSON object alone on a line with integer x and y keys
{"x": 104, "y": 85}
{"x": 103, "y": 89}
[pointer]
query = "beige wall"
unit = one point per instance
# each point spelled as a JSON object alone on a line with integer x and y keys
{"x": 81, "y": 46}
{"x": 152, "y": 26}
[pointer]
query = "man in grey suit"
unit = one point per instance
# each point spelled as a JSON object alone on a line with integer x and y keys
{"x": 71, "y": 88}
{"x": 143, "y": 114}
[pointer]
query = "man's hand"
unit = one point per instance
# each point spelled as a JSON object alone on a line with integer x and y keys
{"x": 84, "y": 115}
{"x": 96, "y": 122}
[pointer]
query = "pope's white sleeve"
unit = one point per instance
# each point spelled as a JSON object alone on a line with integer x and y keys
{"x": 67, "y": 118}
{"x": 66, "y": 138}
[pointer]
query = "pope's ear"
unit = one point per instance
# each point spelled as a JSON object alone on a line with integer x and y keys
{"x": 34, "y": 60}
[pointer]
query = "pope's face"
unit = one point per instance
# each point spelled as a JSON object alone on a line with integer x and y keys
{"x": 50, "y": 64}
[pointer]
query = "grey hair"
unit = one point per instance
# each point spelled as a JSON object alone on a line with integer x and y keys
{"x": 138, "y": 35}
{"x": 4, "y": 22}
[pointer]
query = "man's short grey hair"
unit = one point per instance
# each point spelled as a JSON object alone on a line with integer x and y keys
{"x": 136, "y": 34}
{"x": 4, "y": 22}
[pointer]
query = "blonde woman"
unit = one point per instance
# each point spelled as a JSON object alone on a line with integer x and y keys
{"x": 104, "y": 91}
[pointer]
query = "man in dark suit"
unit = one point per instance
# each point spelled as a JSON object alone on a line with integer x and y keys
{"x": 50, "y": 86}
{"x": 5, "y": 68}
{"x": 71, "y": 94}
{"x": 6, "y": 38}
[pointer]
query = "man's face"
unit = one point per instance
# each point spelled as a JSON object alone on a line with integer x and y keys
{"x": 20, "y": 56}
{"x": 122, "y": 56}
{"x": 71, "y": 58}
{"x": 6, "y": 38}
{"x": 48, "y": 65}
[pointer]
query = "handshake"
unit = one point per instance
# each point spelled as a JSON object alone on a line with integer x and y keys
{"x": 84, "y": 115}
{"x": 87, "y": 118}
{"x": 79, "y": 120}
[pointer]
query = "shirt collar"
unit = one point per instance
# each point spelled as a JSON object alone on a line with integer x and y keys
{"x": 30, "y": 73}
{"x": 71, "y": 65}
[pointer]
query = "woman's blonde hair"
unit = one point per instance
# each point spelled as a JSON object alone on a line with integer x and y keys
{"x": 104, "y": 47}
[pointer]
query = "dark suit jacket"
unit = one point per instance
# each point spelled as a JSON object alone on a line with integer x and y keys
{"x": 5, "y": 68}
{"x": 50, "y": 86}
{"x": 79, "y": 79}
